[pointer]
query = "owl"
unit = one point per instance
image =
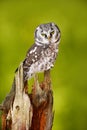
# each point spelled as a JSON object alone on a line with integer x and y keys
{"x": 40, "y": 57}
{"x": 42, "y": 54}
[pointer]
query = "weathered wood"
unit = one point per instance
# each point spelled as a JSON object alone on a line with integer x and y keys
{"x": 42, "y": 101}
{"x": 21, "y": 110}
{"x": 32, "y": 111}
{"x": 3, "y": 121}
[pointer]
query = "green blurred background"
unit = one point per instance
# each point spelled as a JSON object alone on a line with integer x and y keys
{"x": 18, "y": 20}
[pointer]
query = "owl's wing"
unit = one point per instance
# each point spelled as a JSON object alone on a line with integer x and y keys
{"x": 32, "y": 56}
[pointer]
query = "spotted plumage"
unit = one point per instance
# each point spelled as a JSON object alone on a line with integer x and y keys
{"x": 42, "y": 55}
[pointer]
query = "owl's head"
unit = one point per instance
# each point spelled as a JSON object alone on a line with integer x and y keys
{"x": 47, "y": 33}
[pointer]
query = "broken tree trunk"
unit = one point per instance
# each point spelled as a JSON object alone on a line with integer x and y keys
{"x": 21, "y": 110}
{"x": 32, "y": 111}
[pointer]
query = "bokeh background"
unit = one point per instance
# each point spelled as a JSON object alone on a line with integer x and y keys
{"x": 18, "y": 20}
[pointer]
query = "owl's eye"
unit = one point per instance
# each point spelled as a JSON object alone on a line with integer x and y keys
{"x": 51, "y": 33}
{"x": 44, "y": 35}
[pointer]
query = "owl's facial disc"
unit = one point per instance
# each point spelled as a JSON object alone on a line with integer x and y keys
{"x": 47, "y": 33}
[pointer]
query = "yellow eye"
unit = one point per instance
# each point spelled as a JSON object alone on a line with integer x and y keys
{"x": 44, "y": 35}
{"x": 52, "y": 32}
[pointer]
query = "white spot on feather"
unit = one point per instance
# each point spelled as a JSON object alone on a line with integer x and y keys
{"x": 35, "y": 56}
{"x": 32, "y": 51}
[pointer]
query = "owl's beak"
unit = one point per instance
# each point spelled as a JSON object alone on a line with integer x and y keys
{"x": 49, "y": 38}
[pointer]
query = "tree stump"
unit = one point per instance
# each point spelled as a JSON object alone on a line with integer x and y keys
{"x": 32, "y": 111}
